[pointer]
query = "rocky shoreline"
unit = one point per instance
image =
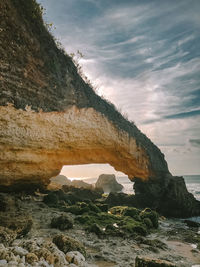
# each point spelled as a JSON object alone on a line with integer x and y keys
{"x": 56, "y": 229}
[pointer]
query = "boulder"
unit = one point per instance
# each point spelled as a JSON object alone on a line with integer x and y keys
{"x": 7, "y": 236}
{"x": 62, "y": 222}
{"x": 82, "y": 194}
{"x": 192, "y": 223}
{"x": 147, "y": 262}
{"x": 168, "y": 195}
{"x": 20, "y": 224}
{"x": 95, "y": 228}
{"x": 108, "y": 183}
{"x": 66, "y": 244}
{"x": 120, "y": 199}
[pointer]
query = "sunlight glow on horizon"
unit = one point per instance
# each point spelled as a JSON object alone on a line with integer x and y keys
{"x": 88, "y": 170}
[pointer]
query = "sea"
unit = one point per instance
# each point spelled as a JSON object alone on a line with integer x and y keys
{"x": 192, "y": 184}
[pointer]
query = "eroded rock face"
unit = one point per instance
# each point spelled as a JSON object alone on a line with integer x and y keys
{"x": 169, "y": 196}
{"x": 56, "y": 118}
{"x": 35, "y": 145}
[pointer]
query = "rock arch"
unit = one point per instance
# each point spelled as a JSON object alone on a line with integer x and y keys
{"x": 50, "y": 117}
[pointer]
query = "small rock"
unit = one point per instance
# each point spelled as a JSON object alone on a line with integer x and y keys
{"x": 12, "y": 264}
{"x": 20, "y": 251}
{"x": 7, "y": 236}
{"x": 66, "y": 244}
{"x": 3, "y": 262}
{"x": 31, "y": 258}
{"x": 21, "y": 224}
{"x": 75, "y": 257}
{"x": 191, "y": 223}
{"x": 62, "y": 222}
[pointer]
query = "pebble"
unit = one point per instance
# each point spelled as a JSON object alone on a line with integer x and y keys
{"x": 20, "y": 251}
{"x": 31, "y": 258}
{"x": 3, "y": 262}
{"x": 12, "y": 264}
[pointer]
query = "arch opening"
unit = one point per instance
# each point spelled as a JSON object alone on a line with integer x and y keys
{"x": 89, "y": 174}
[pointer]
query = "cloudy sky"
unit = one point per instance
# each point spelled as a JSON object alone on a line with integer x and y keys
{"x": 144, "y": 56}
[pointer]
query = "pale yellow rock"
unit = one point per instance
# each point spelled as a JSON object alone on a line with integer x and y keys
{"x": 34, "y": 146}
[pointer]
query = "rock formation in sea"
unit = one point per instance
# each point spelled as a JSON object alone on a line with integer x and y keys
{"x": 49, "y": 117}
{"x": 108, "y": 183}
{"x": 61, "y": 180}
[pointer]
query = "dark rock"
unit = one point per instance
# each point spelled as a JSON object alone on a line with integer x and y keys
{"x": 94, "y": 208}
{"x": 77, "y": 209}
{"x": 3, "y": 203}
{"x": 111, "y": 230}
{"x": 62, "y": 222}
{"x": 151, "y": 215}
{"x": 168, "y": 195}
{"x": 71, "y": 196}
{"x": 126, "y": 211}
{"x": 51, "y": 199}
{"x": 82, "y": 194}
{"x": 134, "y": 227}
{"x": 95, "y": 228}
{"x": 120, "y": 199}
{"x": 102, "y": 219}
{"x": 155, "y": 243}
{"x": 147, "y": 262}
{"x": 21, "y": 224}
{"x": 81, "y": 208}
{"x": 66, "y": 244}
{"x": 148, "y": 223}
{"x": 102, "y": 207}
{"x": 108, "y": 183}
{"x": 191, "y": 223}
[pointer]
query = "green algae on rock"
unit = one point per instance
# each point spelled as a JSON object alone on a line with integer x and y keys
{"x": 147, "y": 262}
{"x": 62, "y": 222}
{"x": 66, "y": 244}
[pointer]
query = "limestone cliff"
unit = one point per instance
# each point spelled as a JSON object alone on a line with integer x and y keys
{"x": 49, "y": 117}
{"x": 56, "y": 118}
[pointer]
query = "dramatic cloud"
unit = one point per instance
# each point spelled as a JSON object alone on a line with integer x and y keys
{"x": 143, "y": 56}
{"x": 195, "y": 142}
